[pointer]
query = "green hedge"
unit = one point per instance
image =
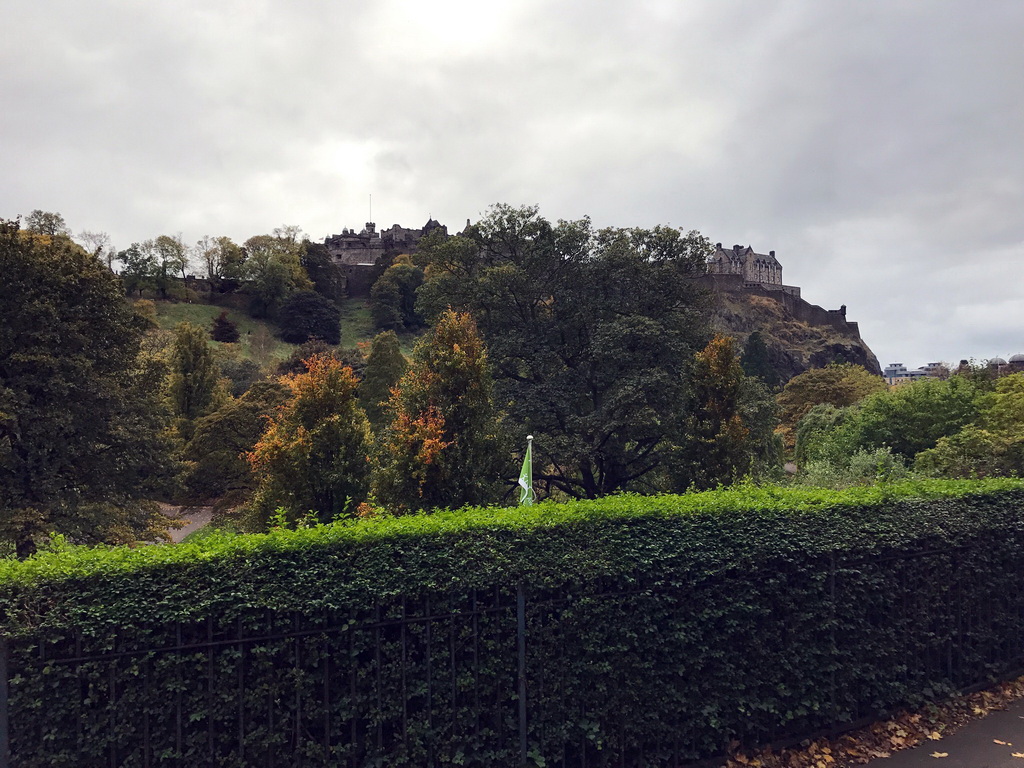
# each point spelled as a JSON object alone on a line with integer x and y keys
{"x": 656, "y": 630}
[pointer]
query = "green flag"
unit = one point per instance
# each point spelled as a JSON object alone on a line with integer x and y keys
{"x": 526, "y": 475}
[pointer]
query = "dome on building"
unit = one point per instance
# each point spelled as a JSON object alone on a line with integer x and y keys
{"x": 997, "y": 361}
{"x": 1018, "y": 358}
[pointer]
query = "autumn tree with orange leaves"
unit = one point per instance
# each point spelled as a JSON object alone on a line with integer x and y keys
{"x": 312, "y": 460}
{"x": 442, "y": 446}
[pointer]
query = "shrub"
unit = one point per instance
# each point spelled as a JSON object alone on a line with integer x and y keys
{"x": 656, "y": 629}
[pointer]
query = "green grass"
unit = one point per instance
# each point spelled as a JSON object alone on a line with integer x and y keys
{"x": 356, "y": 327}
{"x": 356, "y": 323}
{"x": 170, "y": 314}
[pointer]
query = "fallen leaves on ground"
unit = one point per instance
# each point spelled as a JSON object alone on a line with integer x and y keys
{"x": 903, "y": 730}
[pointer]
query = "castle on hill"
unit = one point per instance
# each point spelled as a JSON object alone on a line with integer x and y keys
{"x": 366, "y": 247}
{"x": 753, "y": 270}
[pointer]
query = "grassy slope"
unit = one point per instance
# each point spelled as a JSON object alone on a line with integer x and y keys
{"x": 356, "y": 326}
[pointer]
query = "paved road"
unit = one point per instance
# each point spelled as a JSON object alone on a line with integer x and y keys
{"x": 973, "y": 746}
{"x": 199, "y": 517}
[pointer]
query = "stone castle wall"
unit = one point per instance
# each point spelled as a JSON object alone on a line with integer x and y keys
{"x": 789, "y": 297}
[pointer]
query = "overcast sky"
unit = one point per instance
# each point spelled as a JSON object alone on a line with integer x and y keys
{"x": 875, "y": 145}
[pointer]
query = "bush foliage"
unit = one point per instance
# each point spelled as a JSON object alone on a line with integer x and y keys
{"x": 655, "y": 628}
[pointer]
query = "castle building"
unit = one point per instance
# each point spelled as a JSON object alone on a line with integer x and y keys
{"x": 754, "y": 270}
{"x": 357, "y": 253}
{"x": 755, "y": 267}
{"x": 366, "y": 247}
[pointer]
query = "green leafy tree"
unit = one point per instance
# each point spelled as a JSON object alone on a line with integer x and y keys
{"x": 223, "y": 261}
{"x": 215, "y": 466}
{"x": 393, "y": 296}
{"x": 312, "y": 458}
{"x": 194, "y": 384}
{"x": 993, "y": 445}
{"x": 81, "y": 446}
{"x": 308, "y": 315}
{"x": 756, "y": 360}
{"x": 327, "y": 278}
{"x": 172, "y": 256}
{"x": 590, "y": 334}
{"x": 838, "y": 384}
{"x": 274, "y": 269}
{"x": 442, "y": 447}
{"x": 715, "y": 445}
{"x": 46, "y": 223}
{"x": 139, "y": 270}
{"x": 813, "y": 431}
{"x": 240, "y": 372}
{"x": 909, "y": 418}
{"x": 385, "y": 365}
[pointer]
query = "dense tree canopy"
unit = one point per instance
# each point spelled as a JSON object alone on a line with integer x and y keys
{"x": 327, "y": 277}
{"x": 839, "y": 384}
{"x": 194, "y": 382}
{"x": 385, "y": 365}
{"x": 312, "y": 459}
{"x": 590, "y": 334}
{"x": 215, "y": 465}
{"x": 274, "y": 269}
{"x": 728, "y": 426}
{"x": 46, "y": 223}
{"x": 443, "y": 447}
{"x": 309, "y": 315}
{"x": 393, "y": 296}
{"x": 80, "y": 423}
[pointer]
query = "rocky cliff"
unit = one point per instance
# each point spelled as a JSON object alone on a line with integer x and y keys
{"x": 799, "y": 335}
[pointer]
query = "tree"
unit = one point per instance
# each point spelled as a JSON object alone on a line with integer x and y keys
{"x": 216, "y": 468}
{"x": 909, "y": 418}
{"x": 590, "y": 334}
{"x": 839, "y": 384}
{"x": 274, "y": 269}
{"x": 714, "y": 443}
{"x": 308, "y": 315}
{"x": 756, "y": 360}
{"x": 385, "y": 365}
{"x": 139, "y": 271}
{"x": 46, "y": 223}
{"x": 442, "y": 447}
{"x": 814, "y": 429}
{"x": 993, "y": 445}
{"x": 221, "y": 259}
{"x": 81, "y": 446}
{"x": 172, "y": 256}
{"x": 240, "y": 372}
{"x": 327, "y": 277}
{"x": 194, "y": 384}
{"x": 393, "y": 296}
{"x": 312, "y": 458}
{"x": 223, "y": 330}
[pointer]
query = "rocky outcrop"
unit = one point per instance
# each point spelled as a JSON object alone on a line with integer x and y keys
{"x": 799, "y": 335}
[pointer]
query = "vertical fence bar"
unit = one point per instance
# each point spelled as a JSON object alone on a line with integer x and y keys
{"x": 833, "y": 726}
{"x": 521, "y": 643}
{"x": 5, "y": 726}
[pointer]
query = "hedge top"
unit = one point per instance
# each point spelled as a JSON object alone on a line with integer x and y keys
{"x": 332, "y": 566}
